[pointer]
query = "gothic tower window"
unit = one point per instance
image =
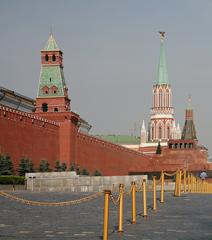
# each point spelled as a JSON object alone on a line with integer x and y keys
{"x": 53, "y": 58}
{"x": 153, "y": 129}
{"x": 160, "y": 98}
{"x": 45, "y": 107}
{"x": 160, "y": 132}
{"x": 46, "y": 58}
{"x": 168, "y": 132}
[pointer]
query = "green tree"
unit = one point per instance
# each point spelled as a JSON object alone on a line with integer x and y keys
{"x": 63, "y": 167}
{"x": 44, "y": 166}
{"x": 97, "y": 173}
{"x": 72, "y": 168}
{"x": 84, "y": 172}
{"x": 78, "y": 170}
{"x": 58, "y": 166}
{"x": 158, "y": 150}
{"x": 6, "y": 165}
{"x": 25, "y": 166}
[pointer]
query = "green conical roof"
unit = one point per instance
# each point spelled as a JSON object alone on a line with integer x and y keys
{"x": 162, "y": 75}
{"x": 51, "y": 44}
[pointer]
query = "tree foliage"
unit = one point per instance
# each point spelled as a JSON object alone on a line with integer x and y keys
{"x": 6, "y": 165}
{"x": 63, "y": 166}
{"x": 97, "y": 173}
{"x": 158, "y": 150}
{"x": 84, "y": 172}
{"x": 60, "y": 167}
{"x": 44, "y": 166}
{"x": 25, "y": 166}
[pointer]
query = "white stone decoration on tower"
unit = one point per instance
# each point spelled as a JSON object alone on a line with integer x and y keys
{"x": 179, "y": 132}
{"x": 173, "y": 131}
{"x": 143, "y": 133}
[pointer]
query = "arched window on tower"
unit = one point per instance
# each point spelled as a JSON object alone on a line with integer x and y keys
{"x": 168, "y": 132}
{"x": 153, "y": 130}
{"x": 53, "y": 58}
{"x": 45, "y": 107}
{"x": 46, "y": 58}
{"x": 167, "y": 98}
{"x": 160, "y": 132}
{"x": 54, "y": 89}
{"x": 160, "y": 98}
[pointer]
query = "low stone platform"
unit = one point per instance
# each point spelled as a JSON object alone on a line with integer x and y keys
{"x": 188, "y": 217}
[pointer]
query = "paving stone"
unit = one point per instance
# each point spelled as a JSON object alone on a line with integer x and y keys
{"x": 188, "y": 217}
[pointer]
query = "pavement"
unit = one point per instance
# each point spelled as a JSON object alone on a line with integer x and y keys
{"x": 188, "y": 217}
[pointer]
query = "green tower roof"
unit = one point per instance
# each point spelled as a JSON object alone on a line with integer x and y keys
{"x": 162, "y": 75}
{"x": 51, "y": 44}
{"x": 51, "y": 76}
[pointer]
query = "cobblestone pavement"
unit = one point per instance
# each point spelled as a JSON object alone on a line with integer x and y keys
{"x": 188, "y": 217}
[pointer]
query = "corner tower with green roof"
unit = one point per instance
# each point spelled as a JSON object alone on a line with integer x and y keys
{"x": 162, "y": 113}
{"x": 52, "y": 90}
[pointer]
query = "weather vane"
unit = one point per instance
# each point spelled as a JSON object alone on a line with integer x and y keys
{"x": 162, "y": 35}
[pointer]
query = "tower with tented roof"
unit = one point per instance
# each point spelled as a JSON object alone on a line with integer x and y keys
{"x": 52, "y": 93}
{"x": 162, "y": 113}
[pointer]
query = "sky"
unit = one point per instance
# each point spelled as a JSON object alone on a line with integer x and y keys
{"x": 111, "y": 53}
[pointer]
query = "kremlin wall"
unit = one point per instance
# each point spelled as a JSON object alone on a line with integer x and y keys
{"x": 47, "y": 129}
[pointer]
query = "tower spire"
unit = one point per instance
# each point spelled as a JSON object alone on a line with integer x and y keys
{"x": 162, "y": 75}
{"x": 162, "y": 117}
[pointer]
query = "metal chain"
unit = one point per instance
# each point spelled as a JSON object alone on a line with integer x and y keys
{"x": 115, "y": 201}
{"x": 170, "y": 174}
{"x": 128, "y": 193}
{"x": 51, "y": 204}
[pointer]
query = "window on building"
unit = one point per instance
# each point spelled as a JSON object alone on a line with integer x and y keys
{"x": 55, "y": 91}
{"x": 160, "y": 132}
{"x": 45, "y": 107}
{"x": 56, "y": 109}
{"x": 53, "y": 58}
{"x": 168, "y": 132}
{"x": 46, "y": 58}
{"x": 153, "y": 129}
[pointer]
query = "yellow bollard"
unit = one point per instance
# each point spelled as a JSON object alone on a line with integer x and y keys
{"x": 184, "y": 180}
{"x": 154, "y": 194}
{"x": 176, "y": 183}
{"x": 106, "y": 214}
{"x": 192, "y": 183}
{"x": 189, "y": 183}
{"x": 144, "y": 198}
{"x": 179, "y": 184}
{"x": 133, "y": 194}
{"x": 162, "y": 188}
{"x": 121, "y": 207}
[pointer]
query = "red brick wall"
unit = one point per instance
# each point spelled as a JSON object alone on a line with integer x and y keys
{"x": 109, "y": 159}
{"x": 22, "y": 134}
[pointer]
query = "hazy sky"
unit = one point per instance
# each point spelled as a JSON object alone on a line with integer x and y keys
{"x": 111, "y": 51}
